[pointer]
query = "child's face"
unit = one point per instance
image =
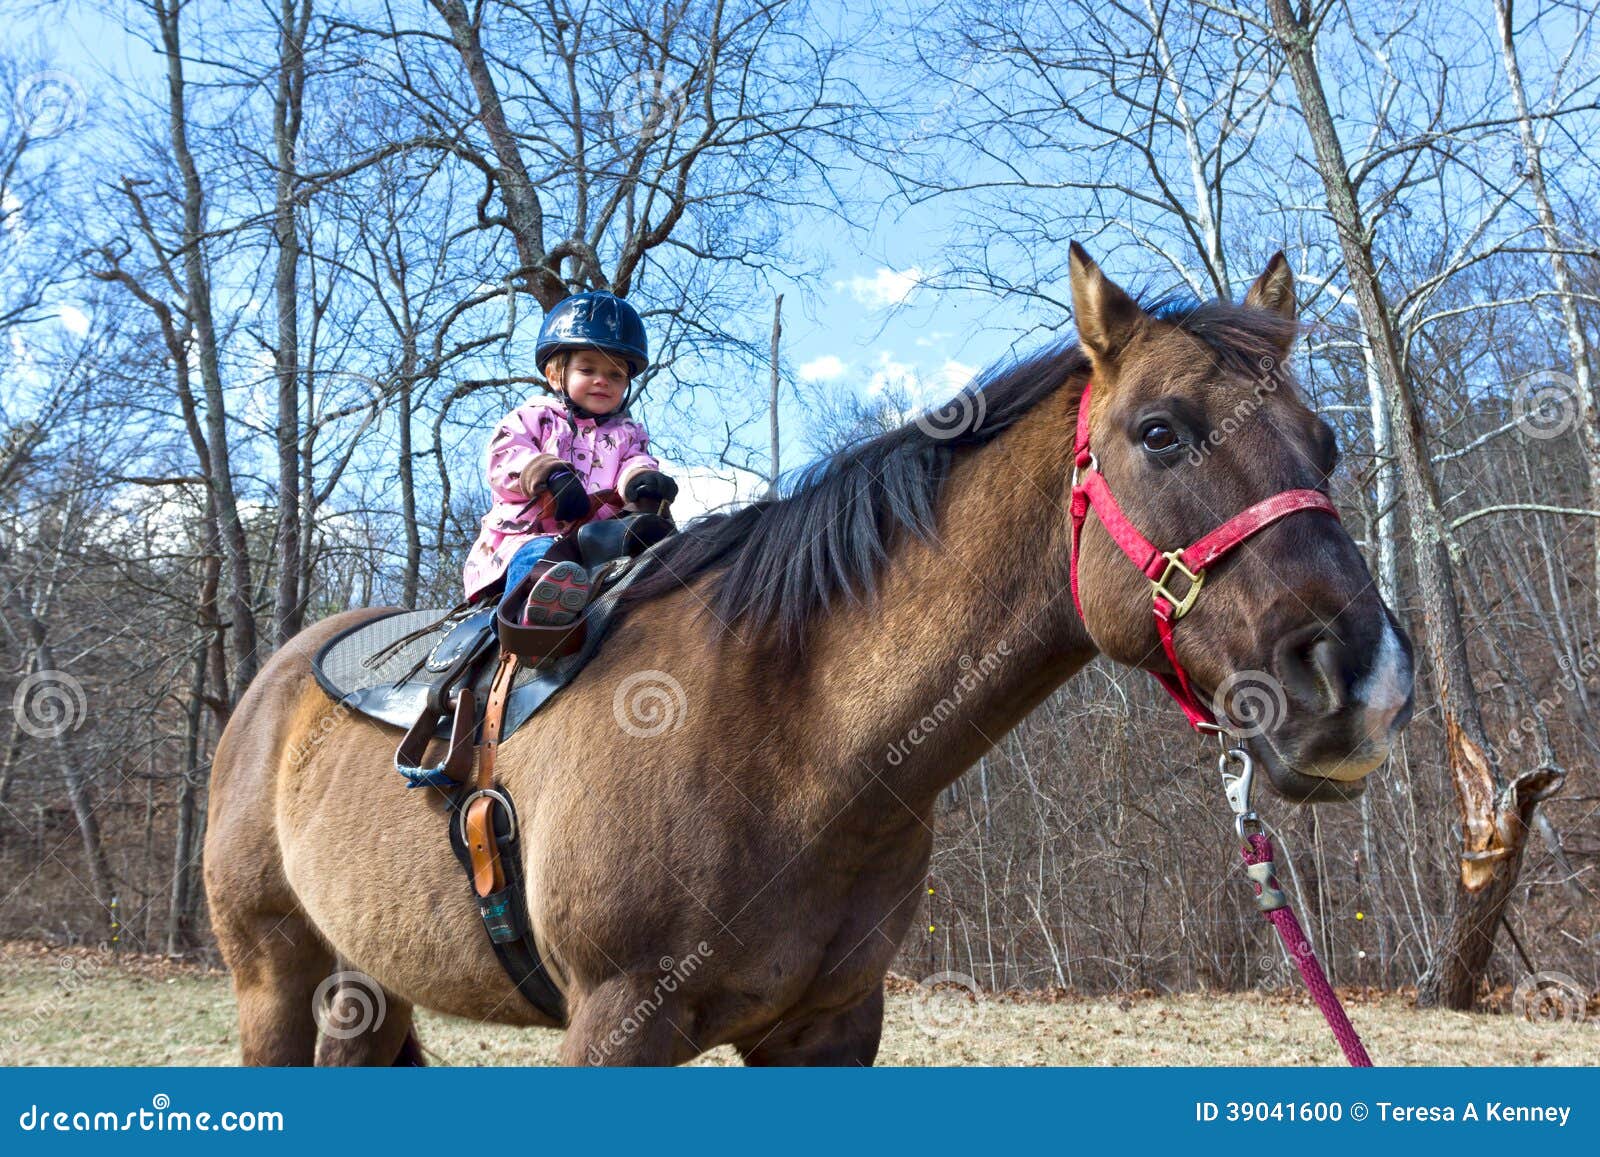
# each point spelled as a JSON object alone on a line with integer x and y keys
{"x": 595, "y": 381}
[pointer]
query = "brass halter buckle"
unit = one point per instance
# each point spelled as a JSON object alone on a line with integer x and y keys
{"x": 1160, "y": 590}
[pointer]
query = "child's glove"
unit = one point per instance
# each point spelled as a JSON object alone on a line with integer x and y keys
{"x": 571, "y": 500}
{"x": 650, "y": 486}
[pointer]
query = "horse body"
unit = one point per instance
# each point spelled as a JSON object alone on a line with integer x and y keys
{"x": 726, "y": 836}
{"x": 763, "y": 822}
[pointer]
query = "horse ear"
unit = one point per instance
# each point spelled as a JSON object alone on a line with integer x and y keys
{"x": 1274, "y": 289}
{"x": 1107, "y": 317}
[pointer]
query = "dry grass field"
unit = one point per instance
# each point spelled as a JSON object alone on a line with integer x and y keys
{"x": 80, "y": 1008}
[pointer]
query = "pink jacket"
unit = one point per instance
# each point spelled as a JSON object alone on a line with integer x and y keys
{"x": 603, "y": 453}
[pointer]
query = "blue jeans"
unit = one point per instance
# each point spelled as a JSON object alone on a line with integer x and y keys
{"x": 527, "y": 554}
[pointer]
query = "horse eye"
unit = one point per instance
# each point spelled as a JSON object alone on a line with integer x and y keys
{"x": 1158, "y": 438}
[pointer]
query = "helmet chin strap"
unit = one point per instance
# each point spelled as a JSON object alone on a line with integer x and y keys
{"x": 575, "y": 411}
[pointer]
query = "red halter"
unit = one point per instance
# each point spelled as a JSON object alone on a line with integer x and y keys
{"x": 1159, "y": 566}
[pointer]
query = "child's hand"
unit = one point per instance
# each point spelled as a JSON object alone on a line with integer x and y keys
{"x": 536, "y": 474}
{"x": 572, "y": 501}
{"x": 650, "y": 486}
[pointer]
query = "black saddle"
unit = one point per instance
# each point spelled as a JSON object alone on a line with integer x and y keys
{"x": 394, "y": 668}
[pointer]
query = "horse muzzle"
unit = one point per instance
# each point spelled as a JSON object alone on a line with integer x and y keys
{"x": 1342, "y": 716}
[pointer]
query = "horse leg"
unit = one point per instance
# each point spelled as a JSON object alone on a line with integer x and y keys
{"x": 628, "y": 1021}
{"x": 277, "y": 962}
{"x": 846, "y": 1037}
{"x": 365, "y": 1025}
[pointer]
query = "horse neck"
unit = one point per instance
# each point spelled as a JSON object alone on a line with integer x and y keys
{"x": 966, "y": 635}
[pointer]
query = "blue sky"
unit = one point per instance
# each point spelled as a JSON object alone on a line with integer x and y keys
{"x": 865, "y": 323}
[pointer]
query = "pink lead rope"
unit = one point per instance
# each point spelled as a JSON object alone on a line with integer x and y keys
{"x": 1258, "y": 858}
{"x": 1274, "y": 904}
{"x": 1090, "y": 492}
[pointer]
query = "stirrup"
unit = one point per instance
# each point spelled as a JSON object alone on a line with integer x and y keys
{"x": 535, "y": 643}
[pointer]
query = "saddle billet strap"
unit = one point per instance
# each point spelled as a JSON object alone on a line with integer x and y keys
{"x": 487, "y": 841}
{"x": 487, "y": 873}
{"x": 456, "y": 768}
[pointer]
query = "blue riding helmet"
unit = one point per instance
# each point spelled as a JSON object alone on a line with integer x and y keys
{"x": 597, "y": 320}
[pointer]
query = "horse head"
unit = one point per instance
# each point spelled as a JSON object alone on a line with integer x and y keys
{"x": 1193, "y": 418}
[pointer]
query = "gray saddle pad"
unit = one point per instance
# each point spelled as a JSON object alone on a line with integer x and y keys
{"x": 395, "y": 691}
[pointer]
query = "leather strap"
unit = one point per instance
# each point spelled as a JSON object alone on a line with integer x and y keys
{"x": 1090, "y": 491}
{"x": 487, "y": 874}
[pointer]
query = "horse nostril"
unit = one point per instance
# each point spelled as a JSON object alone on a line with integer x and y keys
{"x": 1328, "y": 660}
{"x": 1314, "y": 667}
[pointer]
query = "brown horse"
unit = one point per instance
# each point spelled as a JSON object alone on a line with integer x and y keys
{"x": 728, "y": 816}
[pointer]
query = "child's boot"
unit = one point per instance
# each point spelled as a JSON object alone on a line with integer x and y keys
{"x": 558, "y": 594}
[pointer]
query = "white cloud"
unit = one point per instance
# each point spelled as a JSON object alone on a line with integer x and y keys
{"x": 827, "y": 368}
{"x": 954, "y": 375}
{"x": 885, "y": 287}
{"x": 933, "y": 338}
{"x": 73, "y": 320}
{"x": 890, "y": 374}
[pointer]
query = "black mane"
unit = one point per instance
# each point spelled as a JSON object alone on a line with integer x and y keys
{"x": 784, "y": 560}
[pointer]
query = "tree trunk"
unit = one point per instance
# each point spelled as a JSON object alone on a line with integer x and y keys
{"x": 293, "y": 15}
{"x": 180, "y": 933}
{"x": 1582, "y": 386}
{"x": 408, "y": 484}
{"x": 524, "y": 213}
{"x": 73, "y": 776}
{"x": 198, "y": 308}
{"x": 1383, "y": 528}
{"x": 1494, "y": 815}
